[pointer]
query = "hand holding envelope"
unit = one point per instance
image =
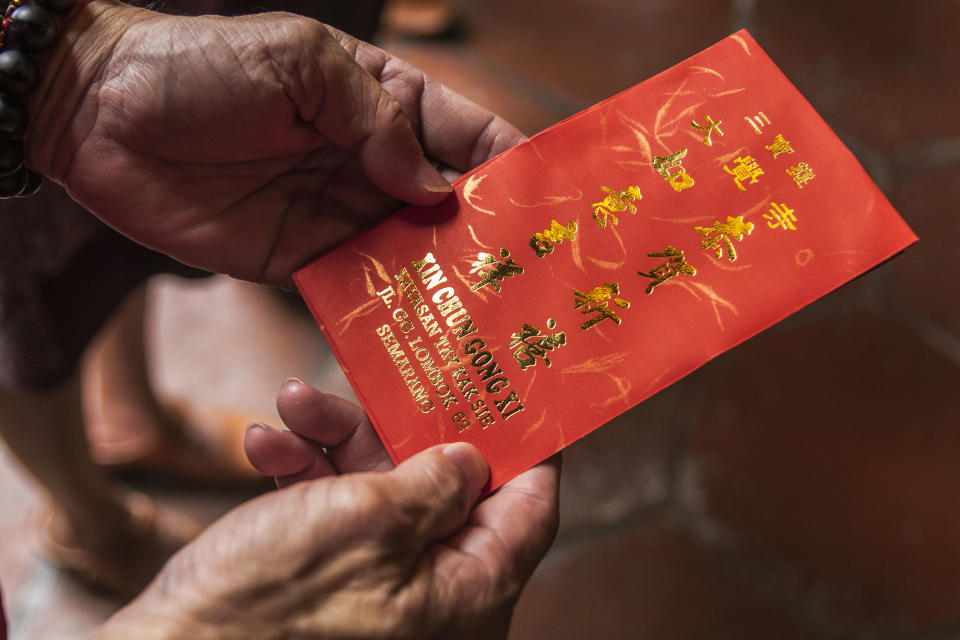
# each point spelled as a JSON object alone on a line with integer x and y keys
{"x": 246, "y": 145}
{"x": 399, "y": 553}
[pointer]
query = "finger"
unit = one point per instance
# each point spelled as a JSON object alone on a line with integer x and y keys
{"x": 452, "y": 128}
{"x": 459, "y": 132}
{"x": 436, "y": 489}
{"x": 332, "y": 422}
{"x": 350, "y": 107}
{"x": 284, "y": 453}
{"x": 509, "y": 544}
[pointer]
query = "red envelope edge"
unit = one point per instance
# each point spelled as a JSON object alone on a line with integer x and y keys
{"x": 675, "y": 220}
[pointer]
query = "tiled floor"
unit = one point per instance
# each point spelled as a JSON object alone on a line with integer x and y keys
{"x": 802, "y": 486}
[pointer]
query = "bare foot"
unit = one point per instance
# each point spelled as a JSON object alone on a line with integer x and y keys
{"x": 201, "y": 446}
{"x": 127, "y": 428}
{"x": 120, "y": 560}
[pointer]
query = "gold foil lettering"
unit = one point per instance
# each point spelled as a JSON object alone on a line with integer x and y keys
{"x": 529, "y": 344}
{"x": 617, "y": 201}
{"x": 542, "y": 242}
{"x": 675, "y": 265}
{"x": 709, "y": 127}
{"x": 405, "y": 369}
{"x": 460, "y": 421}
{"x": 597, "y": 300}
{"x": 801, "y": 174}
{"x": 502, "y": 405}
{"x": 779, "y": 146}
{"x": 722, "y": 232}
{"x": 781, "y": 217}
{"x": 679, "y": 179}
{"x": 745, "y": 169}
{"x": 492, "y": 271}
{"x": 482, "y": 413}
{"x": 418, "y": 265}
{"x": 758, "y": 121}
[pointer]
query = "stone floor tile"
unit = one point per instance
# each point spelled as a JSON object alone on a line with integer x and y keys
{"x": 649, "y": 581}
{"x": 588, "y": 51}
{"x": 625, "y": 466}
{"x": 830, "y": 449}
{"x": 223, "y": 342}
{"x": 18, "y": 495}
{"x": 928, "y": 274}
{"x": 884, "y": 71}
{"x": 497, "y": 89}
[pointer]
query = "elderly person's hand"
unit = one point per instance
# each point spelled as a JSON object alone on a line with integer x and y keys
{"x": 244, "y": 145}
{"x": 378, "y": 553}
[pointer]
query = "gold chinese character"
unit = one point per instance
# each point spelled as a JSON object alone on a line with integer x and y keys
{"x": 597, "y": 301}
{"x": 801, "y": 174}
{"x": 680, "y": 179}
{"x": 745, "y": 169}
{"x": 779, "y": 145}
{"x": 542, "y": 243}
{"x": 530, "y": 344}
{"x": 734, "y": 228}
{"x": 758, "y": 121}
{"x": 781, "y": 216}
{"x": 492, "y": 272}
{"x": 710, "y": 127}
{"x": 675, "y": 265}
{"x": 616, "y": 201}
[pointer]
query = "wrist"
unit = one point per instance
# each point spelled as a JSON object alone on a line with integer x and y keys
{"x": 62, "y": 109}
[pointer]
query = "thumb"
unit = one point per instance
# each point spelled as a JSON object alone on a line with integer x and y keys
{"x": 351, "y": 108}
{"x": 435, "y": 490}
{"x": 393, "y": 159}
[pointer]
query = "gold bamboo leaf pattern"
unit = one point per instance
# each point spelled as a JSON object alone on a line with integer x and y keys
{"x": 728, "y": 92}
{"x": 743, "y": 43}
{"x": 600, "y": 364}
{"x": 716, "y": 301}
{"x": 378, "y": 266}
{"x": 534, "y": 427}
{"x": 365, "y": 309}
{"x": 473, "y": 234}
{"x": 470, "y": 195}
{"x": 623, "y": 385}
{"x": 639, "y": 132}
{"x": 703, "y": 69}
{"x": 548, "y": 200}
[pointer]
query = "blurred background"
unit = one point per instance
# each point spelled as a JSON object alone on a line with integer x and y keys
{"x": 804, "y": 485}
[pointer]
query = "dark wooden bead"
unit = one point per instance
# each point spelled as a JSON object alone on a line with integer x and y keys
{"x": 11, "y": 157}
{"x": 13, "y": 118}
{"x": 34, "y": 180}
{"x": 32, "y": 28}
{"x": 14, "y": 184}
{"x": 18, "y": 73}
{"x": 57, "y": 6}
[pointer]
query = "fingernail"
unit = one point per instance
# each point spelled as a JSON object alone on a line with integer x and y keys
{"x": 260, "y": 425}
{"x": 289, "y": 380}
{"x": 430, "y": 179}
{"x": 470, "y": 461}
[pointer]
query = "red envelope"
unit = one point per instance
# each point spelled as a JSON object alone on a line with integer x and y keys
{"x": 588, "y": 268}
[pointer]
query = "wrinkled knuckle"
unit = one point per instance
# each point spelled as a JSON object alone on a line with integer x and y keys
{"x": 367, "y": 496}
{"x": 443, "y": 487}
{"x": 389, "y": 112}
{"x": 373, "y": 503}
{"x": 313, "y": 31}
